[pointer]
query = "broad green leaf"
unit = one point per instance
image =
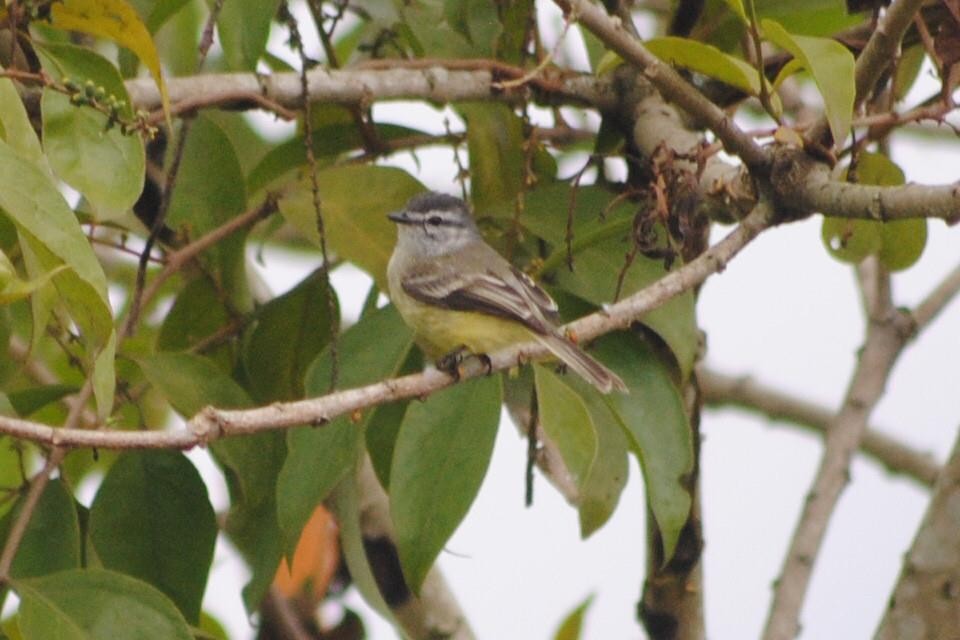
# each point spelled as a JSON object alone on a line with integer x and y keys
{"x": 334, "y": 136}
{"x": 190, "y": 382}
{"x": 210, "y": 191}
{"x": 478, "y": 21}
{"x": 427, "y": 34}
{"x": 517, "y": 18}
{"x": 600, "y": 247}
{"x": 52, "y": 540}
{"x": 243, "y": 28}
{"x": 572, "y": 625}
{"x": 94, "y": 604}
{"x": 251, "y": 464}
{"x": 655, "y": 422}
{"x": 897, "y": 244}
{"x": 290, "y": 331}
{"x": 737, "y": 7}
{"x": 902, "y": 243}
{"x": 832, "y": 66}
{"x": 26, "y": 401}
{"x": 495, "y": 149}
{"x": 355, "y": 218}
{"x": 13, "y": 288}
{"x": 197, "y": 313}
{"x": 850, "y": 240}
{"x": 319, "y": 457}
{"x": 152, "y": 520}
{"x": 115, "y": 20}
{"x": 567, "y": 423}
{"x": 908, "y": 70}
{"x": 15, "y": 127}
{"x": 441, "y": 456}
{"x": 157, "y": 12}
{"x": 600, "y": 491}
{"x": 708, "y": 60}
{"x": 102, "y": 163}
{"x": 45, "y": 223}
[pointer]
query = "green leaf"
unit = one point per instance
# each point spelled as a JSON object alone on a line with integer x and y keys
{"x": 708, "y": 60}
{"x": 832, "y": 66}
{"x": 572, "y": 625}
{"x": 600, "y": 247}
{"x": 495, "y": 149}
{"x": 898, "y": 244}
{"x": 291, "y": 331}
{"x": 197, "y": 313}
{"x": 441, "y": 456}
{"x": 655, "y": 422}
{"x": 850, "y": 240}
{"x": 190, "y": 382}
{"x": 251, "y": 464}
{"x": 567, "y": 423}
{"x": 26, "y": 401}
{"x": 45, "y": 223}
{"x": 243, "y": 28}
{"x": 737, "y": 7}
{"x": 902, "y": 243}
{"x": 94, "y": 604}
{"x": 356, "y": 218}
{"x": 13, "y": 288}
{"x": 333, "y": 135}
{"x": 210, "y": 191}
{"x": 100, "y": 162}
{"x": 600, "y": 491}
{"x": 478, "y": 21}
{"x": 52, "y": 540}
{"x": 152, "y": 520}
{"x": 118, "y": 21}
{"x": 15, "y": 127}
{"x": 318, "y": 458}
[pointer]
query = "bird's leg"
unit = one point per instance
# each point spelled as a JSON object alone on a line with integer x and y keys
{"x": 450, "y": 363}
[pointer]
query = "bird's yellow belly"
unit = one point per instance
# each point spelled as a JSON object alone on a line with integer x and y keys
{"x": 441, "y": 331}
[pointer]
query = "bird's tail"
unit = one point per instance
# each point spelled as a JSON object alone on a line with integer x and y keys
{"x": 582, "y": 364}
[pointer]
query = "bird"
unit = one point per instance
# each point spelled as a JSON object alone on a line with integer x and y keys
{"x": 458, "y": 294}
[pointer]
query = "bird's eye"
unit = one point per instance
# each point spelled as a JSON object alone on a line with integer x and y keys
{"x": 435, "y": 220}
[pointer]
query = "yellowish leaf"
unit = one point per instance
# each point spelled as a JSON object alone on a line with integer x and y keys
{"x": 118, "y": 21}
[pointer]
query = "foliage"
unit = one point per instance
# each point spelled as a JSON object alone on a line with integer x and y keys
{"x": 148, "y": 337}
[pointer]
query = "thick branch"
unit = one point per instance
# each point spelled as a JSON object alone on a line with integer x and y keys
{"x": 434, "y": 80}
{"x": 806, "y": 186}
{"x": 667, "y": 81}
{"x": 926, "y": 602}
{"x": 723, "y": 390}
{"x": 213, "y": 423}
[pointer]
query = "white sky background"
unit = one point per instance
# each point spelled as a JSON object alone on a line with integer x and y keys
{"x": 783, "y": 312}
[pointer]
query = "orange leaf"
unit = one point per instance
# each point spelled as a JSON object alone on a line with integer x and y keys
{"x": 315, "y": 558}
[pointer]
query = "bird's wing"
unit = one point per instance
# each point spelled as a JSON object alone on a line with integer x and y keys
{"x": 504, "y": 292}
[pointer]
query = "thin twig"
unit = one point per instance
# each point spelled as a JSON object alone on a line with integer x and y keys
{"x": 937, "y": 300}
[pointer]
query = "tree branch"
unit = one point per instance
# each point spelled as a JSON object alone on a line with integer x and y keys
{"x": 888, "y": 330}
{"x": 211, "y": 424}
{"x": 807, "y": 186}
{"x": 426, "y": 79}
{"x": 925, "y": 598}
{"x": 668, "y": 82}
{"x": 721, "y": 390}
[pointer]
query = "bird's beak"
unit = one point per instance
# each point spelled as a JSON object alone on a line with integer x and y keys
{"x": 400, "y": 217}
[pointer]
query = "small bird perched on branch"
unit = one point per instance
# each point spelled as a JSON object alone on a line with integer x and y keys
{"x": 457, "y": 293}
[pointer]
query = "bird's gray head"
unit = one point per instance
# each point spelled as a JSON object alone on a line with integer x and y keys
{"x": 434, "y": 224}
